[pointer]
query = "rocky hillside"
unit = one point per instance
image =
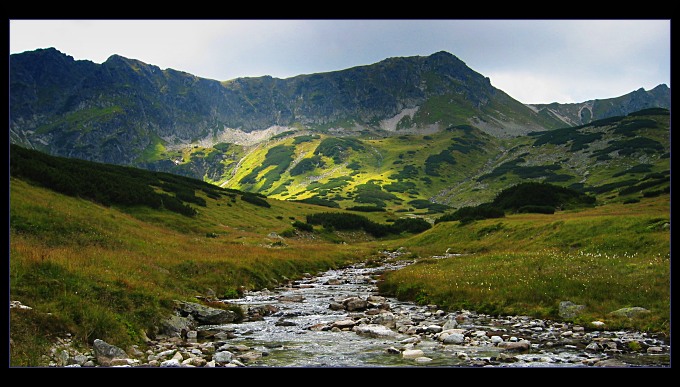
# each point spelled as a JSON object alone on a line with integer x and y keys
{"x": 574, "y": 114}
{"x": 612, "y": 158}
{"x": 124, "y": 111}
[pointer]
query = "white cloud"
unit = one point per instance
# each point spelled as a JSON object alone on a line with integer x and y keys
{"x": 535, "y": 61}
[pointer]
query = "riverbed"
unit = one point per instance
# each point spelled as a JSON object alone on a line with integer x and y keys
{"x": 338, "y": 319}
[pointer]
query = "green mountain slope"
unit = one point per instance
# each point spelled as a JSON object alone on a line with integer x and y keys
{"x": 128, "y": 112}
{"x": 460, "y": 166}
{"x": 96, "y": 260}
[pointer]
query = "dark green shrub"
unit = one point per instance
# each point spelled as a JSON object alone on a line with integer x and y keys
{"x": 303, "y": 226}
{"x": 467, "y": 214}
{"x": 256, "y": 200}
{"x": 410, "y": 225}
{"x": 536, "y": 209}
{"x": 366, "y": 209}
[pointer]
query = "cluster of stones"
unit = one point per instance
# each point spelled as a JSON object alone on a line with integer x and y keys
{"x": 196, "y": 336}
{"x": 512, "y": 335}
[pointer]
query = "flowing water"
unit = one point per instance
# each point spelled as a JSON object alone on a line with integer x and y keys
{"x": 298, "y": 334}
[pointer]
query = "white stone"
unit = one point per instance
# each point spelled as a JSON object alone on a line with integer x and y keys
{"x": 412, "y": 354}
{"x": 373, "y": 330}
{"x": 171, "y": 363}
{"x": 454, "y": 338}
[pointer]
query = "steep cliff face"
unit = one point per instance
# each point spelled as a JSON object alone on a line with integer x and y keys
{"x": 121, "y": 110}
{"x": 574, "y": 114}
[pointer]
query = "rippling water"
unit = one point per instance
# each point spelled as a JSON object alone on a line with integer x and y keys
{"x": 285, "y": 340}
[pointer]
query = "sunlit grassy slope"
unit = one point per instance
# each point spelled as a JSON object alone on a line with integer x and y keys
{"x": 608, "y": 257}
{"x": 459, "y": 166}
{"x": 112, "y": 272}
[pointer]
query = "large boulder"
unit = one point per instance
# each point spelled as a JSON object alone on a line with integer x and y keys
{"x": 569, "y": 310}
{"x": 107, "y": 354}
{"x": 518, "y": 346}
{"x": 205, "y": 314}
{"x": 374, "y": 330}
{"x": 174, "y": 325}
{"x": 354, "y": 304}
{"x": 412, "y": 354}
{"x": 630, "y": 312}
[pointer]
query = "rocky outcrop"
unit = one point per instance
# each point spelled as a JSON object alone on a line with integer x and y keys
{"x": 109, "y": 355}
{"x": 630, "y": 312}
{"x": 569, "y": 310}
{"x": 205, "y": 315}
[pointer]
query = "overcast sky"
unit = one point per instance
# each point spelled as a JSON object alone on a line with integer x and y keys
{"x": 535, "y": 61}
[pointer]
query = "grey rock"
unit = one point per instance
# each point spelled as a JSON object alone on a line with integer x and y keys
{"x": 354, "y": 304}
{"x": 454, "y": 338}
{"x": 63, "y": 358}
{"x": 172, "y": 363}
{"x": 450, "y": 323}
{"x": 374, "y": 330}
{"x": 223, "y": 357}
{"x": 205, "y": 314}
{"x": 80, "y": 359}
{"x": 175, "y": 325}
{"x": 522, "y": 345}
{"x": 506, "y": 358}
{"x": 630, "y": 312}
{"x": 250, "y": 356}
{"x": 593, "y": 347}
{"x": 386, "y": 318}
{"x": 569, "y": 310}
{"x": 105, "y": 353}
{"x": 344, "y": 324}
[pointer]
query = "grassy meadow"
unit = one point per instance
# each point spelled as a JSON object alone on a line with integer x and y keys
{"x": 112, "y": 272}
{"x": 606, "y": 258}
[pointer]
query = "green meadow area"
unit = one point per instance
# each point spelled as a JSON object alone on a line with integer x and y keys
{"x": 102, "y": 252}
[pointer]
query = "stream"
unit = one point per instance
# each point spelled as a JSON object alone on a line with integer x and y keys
{"x": 337, "y": 319}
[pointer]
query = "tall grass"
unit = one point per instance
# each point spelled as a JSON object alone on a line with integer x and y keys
{"x": 605, "y": 258}
{"x": 112, "y": 275}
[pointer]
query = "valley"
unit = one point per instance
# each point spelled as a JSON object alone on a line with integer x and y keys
{"x": 134, "y": 188}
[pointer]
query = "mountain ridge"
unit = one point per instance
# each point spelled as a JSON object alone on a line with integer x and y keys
{"x": 404, "y": 130}
{"x": 574, "y": 114}
{"x": 120, "y": 108}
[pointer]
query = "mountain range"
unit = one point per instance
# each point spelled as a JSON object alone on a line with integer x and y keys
{"x": 409, "y": 133}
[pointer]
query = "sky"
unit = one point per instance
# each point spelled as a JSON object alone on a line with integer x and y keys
{"x": 534, "y": 61}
